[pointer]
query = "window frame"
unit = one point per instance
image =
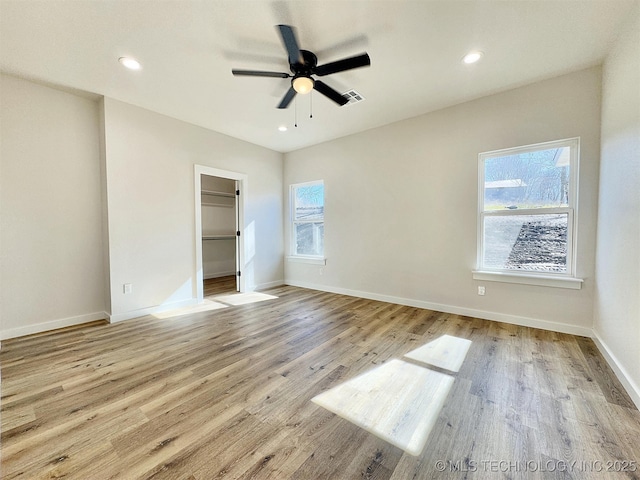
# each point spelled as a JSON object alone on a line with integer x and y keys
{"x": 293, "y": 255}
{"x": 565, "y": 279}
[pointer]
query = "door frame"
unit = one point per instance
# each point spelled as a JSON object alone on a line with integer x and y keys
{"x": 241, "y": 178}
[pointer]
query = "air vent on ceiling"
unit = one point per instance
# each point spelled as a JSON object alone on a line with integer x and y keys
{"x": 353, "y": 97}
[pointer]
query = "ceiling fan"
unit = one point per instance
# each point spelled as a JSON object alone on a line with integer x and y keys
{"x": 303, "y": 65}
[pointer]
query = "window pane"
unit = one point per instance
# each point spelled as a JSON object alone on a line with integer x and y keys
{"x": 309, "y": 202}
{"x": 527, "y": 180}
{"x": 309, "y": 238}
{"x": 526, "y": 242}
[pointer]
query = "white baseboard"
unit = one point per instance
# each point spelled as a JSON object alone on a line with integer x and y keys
{"x": 51, "y": 325}
{"x": 120, "y": 317}
{"x": 631, "y": 387}
{"x": 469, "y": 312}
{"x": 627, "y": 382}
{"x": 264, "y": 286}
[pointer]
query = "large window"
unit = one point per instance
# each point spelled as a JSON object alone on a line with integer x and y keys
{"x": 527, "y": 202}
{"x": 307, "y": 219}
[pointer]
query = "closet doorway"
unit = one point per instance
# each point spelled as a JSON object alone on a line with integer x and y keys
{"x": 218, "y": 229}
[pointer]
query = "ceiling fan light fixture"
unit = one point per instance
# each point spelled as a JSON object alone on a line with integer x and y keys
{"x": 302, "y": 85}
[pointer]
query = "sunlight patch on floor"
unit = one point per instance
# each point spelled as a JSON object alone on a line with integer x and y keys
{"x": 206, "y": 306}
{"x": 217, "y": 303}
{"x": 244, "y": 298}
{"x": 397, "y": 401}
{"x": 445, "y": 352}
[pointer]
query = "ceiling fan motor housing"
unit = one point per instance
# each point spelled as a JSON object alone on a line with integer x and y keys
{"x": 303, "y": 71}
{"x": 310, "y": 61}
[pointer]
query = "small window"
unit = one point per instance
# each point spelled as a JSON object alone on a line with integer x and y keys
{"x": 527, "y": 202}
{"x": 307, "y": 219}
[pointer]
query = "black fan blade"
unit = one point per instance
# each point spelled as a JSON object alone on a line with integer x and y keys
{"x": 259, "y": 73}
{"x": 291, "y": 44}
{"x": 286, "y": 100}
{"x": 327, "y": 91}
{"x": 358, "y": 61}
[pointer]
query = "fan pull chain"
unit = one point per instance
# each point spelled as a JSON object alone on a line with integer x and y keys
{"x": 310, "y": 105}
{"x": 295, "y": 109}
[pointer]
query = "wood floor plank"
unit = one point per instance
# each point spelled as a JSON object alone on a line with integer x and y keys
{"x": 226, "y": 393}
{"x": 83, "y": 463}
{"x": 219, "y": 285}
{"x": 603, "y": 375}
{"x": 298, "y": 441}
{"x": 18, "y": 417}
{"x": 34, "y": 456}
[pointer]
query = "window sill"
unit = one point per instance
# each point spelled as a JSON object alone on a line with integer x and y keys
{"x": 305, "y": 259}
{"x": 522, "y": 278}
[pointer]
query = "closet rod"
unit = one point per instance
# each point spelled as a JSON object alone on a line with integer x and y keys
{"x": 219, "y": 237}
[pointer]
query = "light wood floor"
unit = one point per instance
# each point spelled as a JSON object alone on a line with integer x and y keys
{"x": 219, "y": 286}
{"x": 226, "y": 394}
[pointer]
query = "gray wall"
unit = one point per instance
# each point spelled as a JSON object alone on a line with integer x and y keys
{"x": 150, "y": 162}
{"x": 617, "y": 299}
{"x": 50, "y": 209}
{"x": 401, "y": 204}
{"x": 98, "y": 193}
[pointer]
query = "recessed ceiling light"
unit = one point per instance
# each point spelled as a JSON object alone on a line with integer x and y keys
{"x": 282, "y": 128}
{"x": 472, "y": 57}
{"x": 130, "y": 63}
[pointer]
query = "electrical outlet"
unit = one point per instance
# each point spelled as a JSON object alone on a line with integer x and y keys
{"x": 321, "y": 270}
{"x": 481, "y": 290}
{"x": 127, "y": 288}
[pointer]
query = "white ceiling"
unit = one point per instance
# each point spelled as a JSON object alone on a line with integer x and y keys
{"x": 188, "y": 48}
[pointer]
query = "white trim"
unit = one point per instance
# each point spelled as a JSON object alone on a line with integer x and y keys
{"x": 534, "y": 147}
{"x": 627, "y": 382}
{"x": 528, "y": 211}
{"x": 439, "y": 307}
{"x": 242, "y": 181}
{"x": 52, "y": 325}
{"x": 529, "y": 279}
{"x": 307, "y": 259}
{"x": 293, "y": 222}
{"x": 141, "y": 312}
{"x": 264, "y": 286}
{"x": 572, "y": 209}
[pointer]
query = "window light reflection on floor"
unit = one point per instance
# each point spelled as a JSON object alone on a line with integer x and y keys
{"x": 243, "y": 298}
{"x": 399, "y": 401}
{"x": 206, "y": 306}
{"x": 217, "y": 303}
{"x": 444, "y": 352}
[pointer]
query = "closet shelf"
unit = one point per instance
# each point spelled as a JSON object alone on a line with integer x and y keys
{"x": 218, "y": 237}
{"x": 220, "y": 202}
{"x": 217, "y": 194}
{"x": 211, "y": 204}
